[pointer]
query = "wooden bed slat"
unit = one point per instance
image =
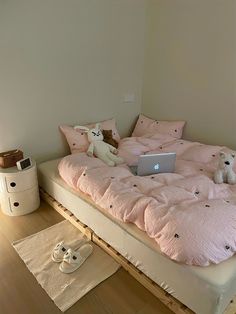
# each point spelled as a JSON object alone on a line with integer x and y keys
{"x": 173, "y": 304}
{"x": 161, "y": 294}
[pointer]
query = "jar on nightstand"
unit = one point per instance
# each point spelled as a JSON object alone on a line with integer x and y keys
{"x": 19, "y": 192}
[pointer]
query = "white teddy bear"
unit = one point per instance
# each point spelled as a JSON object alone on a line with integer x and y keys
{"x": 224, "y": 172}
{"x": 99, "y": 148}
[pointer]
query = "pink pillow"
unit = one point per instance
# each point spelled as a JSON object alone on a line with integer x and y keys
{"x": 146, "y": 125}
{"x": 77, "y": 139}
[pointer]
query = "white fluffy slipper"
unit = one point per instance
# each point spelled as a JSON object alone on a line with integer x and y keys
{"x": 59, "y": 251}
{"x": 72, "y": 260}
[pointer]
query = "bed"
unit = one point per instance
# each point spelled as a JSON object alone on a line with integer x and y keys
{"x": 204, "y": 290}
{"x": 157, "y": 227}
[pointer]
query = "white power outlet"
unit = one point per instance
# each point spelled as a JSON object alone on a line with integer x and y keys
{"x": 129, "y": 98}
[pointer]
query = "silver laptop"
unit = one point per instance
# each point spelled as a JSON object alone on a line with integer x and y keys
{"x": 155, "y": 163}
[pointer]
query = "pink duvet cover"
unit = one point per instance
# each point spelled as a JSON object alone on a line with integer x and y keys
{"x": 192, "y": 219}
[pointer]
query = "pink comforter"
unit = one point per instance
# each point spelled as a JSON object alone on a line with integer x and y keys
{"x": 192, "y": 219}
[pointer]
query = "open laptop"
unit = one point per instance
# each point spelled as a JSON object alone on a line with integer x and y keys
{"x": 154, "y": 163}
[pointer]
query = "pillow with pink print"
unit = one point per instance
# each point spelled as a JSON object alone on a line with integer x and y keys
{"x": 146, "y": 125}
{"x": 77, "y": 139}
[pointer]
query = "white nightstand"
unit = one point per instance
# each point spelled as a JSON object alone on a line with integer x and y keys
{"x": 19, "y": 193}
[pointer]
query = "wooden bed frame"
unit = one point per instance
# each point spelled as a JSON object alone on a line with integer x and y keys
{"x": 167, "y": 299}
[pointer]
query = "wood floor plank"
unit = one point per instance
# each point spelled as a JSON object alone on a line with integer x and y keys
{"x": 21, "y": 294}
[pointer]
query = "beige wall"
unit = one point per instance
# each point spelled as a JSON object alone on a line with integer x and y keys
{"x": 73, "y": 61}
{"x": 190, "y": 67}
{"x": 67, "y": 62}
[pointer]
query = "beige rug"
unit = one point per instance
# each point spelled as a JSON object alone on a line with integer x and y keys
{"x": 63, "y": 289}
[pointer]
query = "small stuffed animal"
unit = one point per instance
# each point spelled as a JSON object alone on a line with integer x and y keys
{"x": 99, "y": 148}
{"x": 107, "y": 134}
{"x": 224, "y": 172}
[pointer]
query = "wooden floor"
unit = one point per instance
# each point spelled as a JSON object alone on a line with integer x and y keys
{"x": 21, "y": 294}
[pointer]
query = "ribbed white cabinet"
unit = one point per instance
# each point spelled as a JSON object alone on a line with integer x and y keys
{"x": 19, "y": 194}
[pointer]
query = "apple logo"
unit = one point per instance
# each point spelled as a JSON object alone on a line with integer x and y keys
{"x": 157, "y": 167}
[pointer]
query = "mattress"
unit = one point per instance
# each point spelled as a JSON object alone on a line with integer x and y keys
{"x": 205, "y": 290}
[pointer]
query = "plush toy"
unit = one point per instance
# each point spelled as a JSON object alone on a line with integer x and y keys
{"x": 224, "y": 172}
{"x": 107, "y": 134}
{"x": 99, "y": 148}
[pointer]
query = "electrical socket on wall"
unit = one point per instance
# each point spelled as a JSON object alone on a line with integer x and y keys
{"x": 129, "y": 98}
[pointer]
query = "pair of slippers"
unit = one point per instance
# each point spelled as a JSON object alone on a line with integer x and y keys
{"x": 70, "y": 259}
